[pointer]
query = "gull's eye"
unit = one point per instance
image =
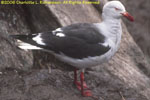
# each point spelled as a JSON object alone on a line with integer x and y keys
{"x": 117, "y": 9}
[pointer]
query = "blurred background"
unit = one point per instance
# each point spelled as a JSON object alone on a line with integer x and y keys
{"x": 140, "y": 29}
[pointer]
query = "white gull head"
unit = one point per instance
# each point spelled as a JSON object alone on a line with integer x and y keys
{"x": 115, "y": 10}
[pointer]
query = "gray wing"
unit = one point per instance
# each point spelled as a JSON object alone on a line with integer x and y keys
{"x": 79, "y": 41}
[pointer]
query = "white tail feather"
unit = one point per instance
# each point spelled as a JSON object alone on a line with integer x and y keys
{"x": 26, "y": 46}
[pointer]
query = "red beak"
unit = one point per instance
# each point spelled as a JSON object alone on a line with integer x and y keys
{"x": 128, "y": 16}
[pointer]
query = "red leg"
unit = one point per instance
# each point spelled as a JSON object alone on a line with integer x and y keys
{"x": 83, "y": 91}
{"x": 75, "y": 76}
{"x": 76, "y": 82}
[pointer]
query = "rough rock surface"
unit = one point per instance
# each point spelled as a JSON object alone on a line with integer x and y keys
{"x": 140, "y": 29}
{"x": 125, "y": 77}
{"x": 11, "y": 22}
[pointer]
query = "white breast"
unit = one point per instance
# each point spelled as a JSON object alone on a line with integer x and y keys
{"x": 87, "y": 62}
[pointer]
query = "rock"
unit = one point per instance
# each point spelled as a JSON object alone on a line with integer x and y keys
{"x": 12, "y": 23}
{"x": 125, "y": 76}
{"x": 140, "y": 30}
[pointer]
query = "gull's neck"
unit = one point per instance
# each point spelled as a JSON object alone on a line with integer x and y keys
{"x": 113, "y": 26}
{"x": 112, "y": 30}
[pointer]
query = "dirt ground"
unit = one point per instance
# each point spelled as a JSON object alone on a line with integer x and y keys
{"x": 58, "y": 85}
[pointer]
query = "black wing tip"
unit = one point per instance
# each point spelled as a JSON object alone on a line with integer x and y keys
{"x": 14, "y": 36}
{"x": 21, "y": 36}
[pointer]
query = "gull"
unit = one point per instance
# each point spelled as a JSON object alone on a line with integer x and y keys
{"x": 82, "y": 45}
